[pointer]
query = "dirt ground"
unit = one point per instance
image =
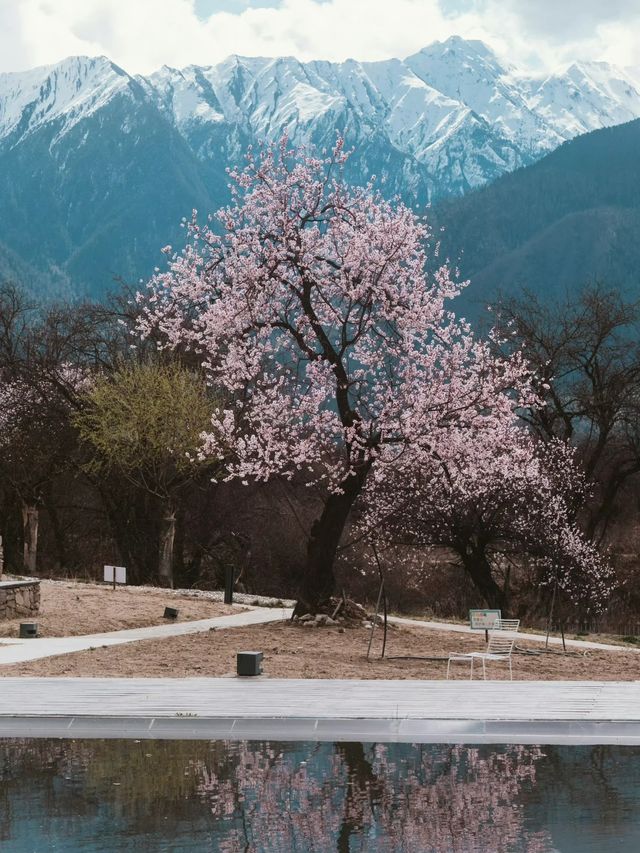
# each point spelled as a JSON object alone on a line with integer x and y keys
{"x": 69, "y": 608}
{"x": 294, "y": 651}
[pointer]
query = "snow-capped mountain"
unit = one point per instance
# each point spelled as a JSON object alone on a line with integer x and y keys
{"x": 585, "y": 96}
{"x": 406, "y": 131}
{"x": 72, "y": 90}
{"x": 98, "y": 166}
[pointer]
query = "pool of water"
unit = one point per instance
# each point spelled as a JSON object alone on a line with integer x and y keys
{"x": 116, "y": 795}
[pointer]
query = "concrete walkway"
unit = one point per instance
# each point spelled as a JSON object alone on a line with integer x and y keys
{"x": 19, "y": 651}
{"x": 13, "y": 650}
{"x": 534, "y": 638}
{"x": 315, "y": 709}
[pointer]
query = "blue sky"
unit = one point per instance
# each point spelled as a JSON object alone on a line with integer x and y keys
{"x": 205, "y": 8}
{"x": 142, "y": 35}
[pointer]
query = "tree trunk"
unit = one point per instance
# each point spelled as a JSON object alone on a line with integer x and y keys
{"x": 362, "y": 784}
{"x": 11, "y": 529}
{"x": 478, "y": 568}
{"x": 134, "y": 521}
{"x": 58, "y": 532}
{"x": 167, "y": 536}
{"x": 178, "y": 547}
{"x": 30, "y": 537}
{"x": 319, "y": 581}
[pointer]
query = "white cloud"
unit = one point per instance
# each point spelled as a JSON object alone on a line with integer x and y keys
{"x": 141, "y": 35}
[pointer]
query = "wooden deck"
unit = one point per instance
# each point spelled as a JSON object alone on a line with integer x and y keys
{"x": 310, "y": 709}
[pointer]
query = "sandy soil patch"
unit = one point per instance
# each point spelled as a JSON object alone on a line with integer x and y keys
{"x": 69, "y": 609}
{"x": 293, "y": 651}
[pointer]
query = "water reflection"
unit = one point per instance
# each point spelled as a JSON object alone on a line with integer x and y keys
{"x": 197, "y": 796}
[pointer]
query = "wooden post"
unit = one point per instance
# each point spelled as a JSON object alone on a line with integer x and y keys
{"x": 384, "y": 634}
{"x": 375, "y": 618}
{"x": 382, "y": 595}
{"x": 553, "y": 601}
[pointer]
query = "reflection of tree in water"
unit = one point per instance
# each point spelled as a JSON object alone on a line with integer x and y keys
{"x": 346, "y": 797}
{"x": 356, "y": 797}
{"x": 601, "y": 783}
{"x": 144, "y": 783}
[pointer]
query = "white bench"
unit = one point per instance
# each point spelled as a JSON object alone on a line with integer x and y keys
{"x": 499, "y": 648}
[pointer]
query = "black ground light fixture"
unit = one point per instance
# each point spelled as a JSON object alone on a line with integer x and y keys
{"x": 229, "y": 580}
{"x": 28, "y": 629}
{"x": 250, "y": 663}
{"x": 171, "y": 612}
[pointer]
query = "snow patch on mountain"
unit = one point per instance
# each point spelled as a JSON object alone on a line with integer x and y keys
{"x": 470, "y": 72}
{"x": 449, "y": 117}
{"x": 71, "y": 90}
{"x": 586, "y": 96}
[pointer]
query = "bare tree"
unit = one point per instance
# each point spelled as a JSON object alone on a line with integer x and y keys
{"x": 586, "y": 351}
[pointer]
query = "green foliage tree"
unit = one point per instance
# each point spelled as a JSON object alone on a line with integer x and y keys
{"x": 145, "y": 422}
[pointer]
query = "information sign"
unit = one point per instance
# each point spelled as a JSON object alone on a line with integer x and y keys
{"x": 115, "y": 574}
{"x": 483, "y": 620}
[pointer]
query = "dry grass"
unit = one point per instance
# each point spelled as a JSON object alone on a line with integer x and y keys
{"x": 69, "y": 609}
{"x": 293, "y": 651}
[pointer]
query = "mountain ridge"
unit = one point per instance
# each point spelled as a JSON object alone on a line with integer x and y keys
{"x": 98, "y": 166}
{"x": 567, "y": 220}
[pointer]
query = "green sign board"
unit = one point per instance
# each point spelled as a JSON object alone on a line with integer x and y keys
{"x": 484, "y": 620}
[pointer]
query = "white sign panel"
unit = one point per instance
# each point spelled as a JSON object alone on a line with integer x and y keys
{"x": 484, "y": 620}
{"x": 115, "y": 574}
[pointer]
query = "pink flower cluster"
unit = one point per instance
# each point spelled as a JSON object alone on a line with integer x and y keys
{"x": 311, "y": 305}
{"x": 313, "y": 309}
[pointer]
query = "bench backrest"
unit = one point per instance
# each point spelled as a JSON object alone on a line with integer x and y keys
{"x": 500, "y": 643}
{"x": 507, "y": 625}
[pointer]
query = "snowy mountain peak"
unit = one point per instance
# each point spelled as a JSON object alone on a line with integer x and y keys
{"x": 453, "y": 115}
{"x": 97, "y": 167}
{"x": 456, "y": 45}
{"x": 72, "y": 89}
{"x": 470, "y": 72}
{"x": 586, "y": 96}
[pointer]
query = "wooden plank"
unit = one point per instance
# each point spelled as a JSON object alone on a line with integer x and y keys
{"x": 321, "y": 699}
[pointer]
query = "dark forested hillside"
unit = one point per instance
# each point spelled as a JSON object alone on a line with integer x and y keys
{"x": 570, "y": 218}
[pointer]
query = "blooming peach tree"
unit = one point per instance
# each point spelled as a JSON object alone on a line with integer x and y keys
{"x": 312, "y": 307}
{"x": 499, "y": 499}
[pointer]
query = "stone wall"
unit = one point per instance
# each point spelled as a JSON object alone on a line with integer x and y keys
{"x": 19, "y": 598}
